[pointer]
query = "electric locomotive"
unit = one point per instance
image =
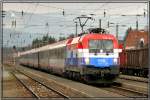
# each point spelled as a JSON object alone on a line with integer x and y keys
{"x": 92, "y": 57}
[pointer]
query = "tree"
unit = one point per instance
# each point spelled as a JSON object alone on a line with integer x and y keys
{"x": 14, "y": 47}
{"x": 44, "y": 41}
{"x": 45, "y": 38}
{"x": 35, "y": 42}
{"x": 71, "y": 36}
{"x": 51, "y": 40}
{"x": 61, "y": 38}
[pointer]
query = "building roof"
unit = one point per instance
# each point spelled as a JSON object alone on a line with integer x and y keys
{"x": 134, "y": 37}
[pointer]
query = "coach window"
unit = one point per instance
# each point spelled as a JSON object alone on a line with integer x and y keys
{"x": 40, "y": 53}
{"x": 55, "y": 53}
{"x": 61, "y": 51}
{"x": 43, "y": 54}
{"x": 47, "y": 53}
{"x": 33, "y": 55}
{"x": 58, "y": 53}
{"x": 52, "y": 53}
{"x": 28, "y": 56}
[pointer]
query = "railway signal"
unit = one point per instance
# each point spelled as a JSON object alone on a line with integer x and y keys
{"x": 22, "y": 13}
{"x": 104, "y": 13}
{"x": 145, "y": 12}
{"x": 63, "y": 12}
{"x": 3, "y": 13}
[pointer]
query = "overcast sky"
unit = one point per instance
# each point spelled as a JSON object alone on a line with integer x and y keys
{"x": 33, "y": 23}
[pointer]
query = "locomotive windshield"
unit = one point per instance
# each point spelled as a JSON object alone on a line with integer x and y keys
{"x": 98, "y": 45}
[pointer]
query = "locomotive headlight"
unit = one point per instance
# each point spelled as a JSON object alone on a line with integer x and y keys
{"x": 101, "y": 51}
{"x": 115, "y": 60}
{"x": 87, "y": 60}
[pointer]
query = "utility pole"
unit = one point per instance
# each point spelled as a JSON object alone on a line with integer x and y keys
{"x": 100, "y": 23}
{"x": 108, "y": 24}
{"x": 47, "y": 26}
{"x": 117, "y": 26}
{"x": 137, "y": 24}
{"x": 1, "y": 37}
{"x": 76, "y": 29}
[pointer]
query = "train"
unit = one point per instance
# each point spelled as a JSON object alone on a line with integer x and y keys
{"x": 91, "y": 57}
{"x": 134, "y": 62}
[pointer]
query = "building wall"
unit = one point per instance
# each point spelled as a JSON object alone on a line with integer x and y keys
{"x": 133, "y": 38}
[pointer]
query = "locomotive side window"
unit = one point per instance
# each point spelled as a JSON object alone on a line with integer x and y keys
{"x": 98, "y": 45}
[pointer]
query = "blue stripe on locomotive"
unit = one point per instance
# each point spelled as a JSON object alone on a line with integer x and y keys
{"x": 94, "y": 62}
{"x": 101, "y": 62}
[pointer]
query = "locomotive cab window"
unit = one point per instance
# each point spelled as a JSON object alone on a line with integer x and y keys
{"x": 100, "y": 46}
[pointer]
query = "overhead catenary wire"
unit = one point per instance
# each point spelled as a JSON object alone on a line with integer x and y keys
{"x": 32, "y": 14}
{"x": 109, "y": 16}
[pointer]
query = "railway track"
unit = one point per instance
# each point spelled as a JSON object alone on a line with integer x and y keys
{"x": 126, "y": 91}
{"x": 134, "y": 78}
{"x": 134, "y": 85}
{"x": 117, "y": 89}
{"x": 36, "y": 88}
{"x": 130, "y": 91}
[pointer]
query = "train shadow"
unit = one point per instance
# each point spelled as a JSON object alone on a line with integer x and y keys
{"x": 104, "y": 85}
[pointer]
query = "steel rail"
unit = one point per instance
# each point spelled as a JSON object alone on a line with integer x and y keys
{"x": 50, "y": 88}
{"x": 29, "y": 89}
{"x": 133, "y": 91}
